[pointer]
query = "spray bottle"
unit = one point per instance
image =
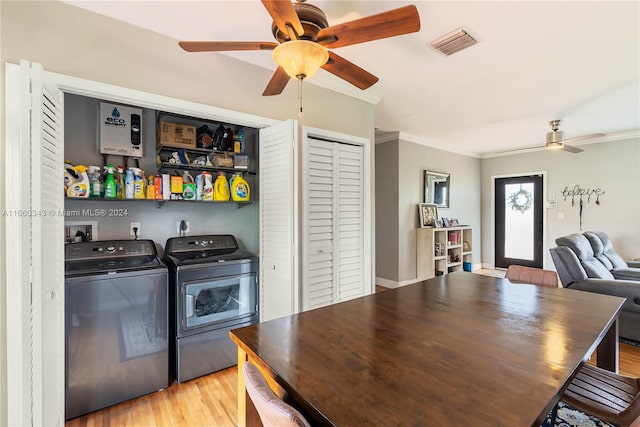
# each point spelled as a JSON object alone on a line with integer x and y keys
{"x": 129, "y": 184}
{"x": 138, "y": 183}
{"x": 120, "y": 183}
{"x": 110, "y": 188}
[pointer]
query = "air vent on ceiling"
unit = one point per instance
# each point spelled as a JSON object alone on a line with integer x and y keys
{"x": 454, "y": 42}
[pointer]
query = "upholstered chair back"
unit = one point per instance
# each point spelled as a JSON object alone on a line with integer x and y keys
{"x": 579, "y": 244}
{"x": 608, "y": 255}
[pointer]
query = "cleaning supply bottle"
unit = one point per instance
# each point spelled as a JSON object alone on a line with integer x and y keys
{"x": 221, "y": 188}
{"x": 240, "y": 135}
{"x": 240, "y": 191}
{"x": 207, "y": 187}
{"x": 199, "y": 186}
{"x": 110, "y": 187}
{"x": 95, "y": 183}
{"x": 129, "y": 184}
{"x": 151, "y": 188}
{"x": 120, "y": 187}
{"x": 138, "y": 183}
{"x": 79, "y": 188}
{"x": 70, "y": 175}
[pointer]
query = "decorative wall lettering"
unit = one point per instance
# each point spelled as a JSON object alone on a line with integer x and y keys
{"x": 576, "y": 191}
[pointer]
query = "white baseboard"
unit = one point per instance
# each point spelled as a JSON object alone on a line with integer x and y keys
{"x": 393, "y": 284}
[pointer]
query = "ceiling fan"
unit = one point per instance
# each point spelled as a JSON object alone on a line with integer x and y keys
{"x": 304, "y": 35}
{"x": 556, "y": 140}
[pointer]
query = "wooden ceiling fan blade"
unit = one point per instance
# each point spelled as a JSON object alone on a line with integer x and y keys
{"x": 277, "y": 83}
{"x": 284, "y": 16}
{"x": 349, "y": 72}
{"x": 392, "y": 23}
{"x": 205, "y": 46}
{"x": 571, "y": 149}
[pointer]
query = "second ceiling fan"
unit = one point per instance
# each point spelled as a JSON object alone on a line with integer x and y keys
{"x": 304, "y": 35}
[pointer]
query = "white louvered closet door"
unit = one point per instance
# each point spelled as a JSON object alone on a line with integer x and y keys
{"x": 47, "y": 248}
{"x": 278, "y": 173}
{"x": 334, "y": 211}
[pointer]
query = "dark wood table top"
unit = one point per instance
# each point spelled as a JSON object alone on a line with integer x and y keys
{"x": 458, "y": 350}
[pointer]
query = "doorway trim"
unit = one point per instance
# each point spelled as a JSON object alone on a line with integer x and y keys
{"x": 492, "y": 234}
{"x": 16, "y": 302}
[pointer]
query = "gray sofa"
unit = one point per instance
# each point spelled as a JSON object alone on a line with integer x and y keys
{"x": 588, "y": 262}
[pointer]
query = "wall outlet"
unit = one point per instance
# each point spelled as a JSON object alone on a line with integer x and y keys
{"x": 133, "y": 225}
{"x": 186, "y": 230}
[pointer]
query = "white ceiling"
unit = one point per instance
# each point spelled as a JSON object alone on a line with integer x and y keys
{"x": 535, "y": 61}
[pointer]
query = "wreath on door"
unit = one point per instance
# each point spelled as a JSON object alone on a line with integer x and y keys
{"x": 521, "y": 200}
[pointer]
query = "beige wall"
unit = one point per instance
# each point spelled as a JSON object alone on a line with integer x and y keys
{"x": 387, "y": 210}
{"x": 612, "y": 166}
{"x": 72, "y": 41}
{"x": 396, "y": 253}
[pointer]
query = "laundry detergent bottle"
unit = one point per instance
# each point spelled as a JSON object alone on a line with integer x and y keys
{"x": 207, "y": 186}
{"x": 221, "y": 188}
{"x": 80, "y": 187}
{"x": 239, "y": 189}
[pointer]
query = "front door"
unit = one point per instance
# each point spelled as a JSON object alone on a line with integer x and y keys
{"x": 518, "y": 226}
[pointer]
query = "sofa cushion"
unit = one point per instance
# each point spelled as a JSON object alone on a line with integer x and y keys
{"x": 568, "y": 266}
{"x": 608, "y": 251}
{"x": 627, "y": 274}
{"x": 583, "y": 250}
{"x": 598, "y": 249}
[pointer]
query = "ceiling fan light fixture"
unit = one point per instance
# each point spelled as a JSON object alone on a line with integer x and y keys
{"x": 300, "y": 59}
{"x": 554, "y": 145}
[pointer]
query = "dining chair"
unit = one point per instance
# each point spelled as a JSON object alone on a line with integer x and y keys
{"x": 535, "y": 276}
{"x": 272, "y": 410}
{"x": 611, "y": 397}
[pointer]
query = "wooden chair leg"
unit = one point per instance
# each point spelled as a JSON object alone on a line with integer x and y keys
{"x": 554, "y": 414}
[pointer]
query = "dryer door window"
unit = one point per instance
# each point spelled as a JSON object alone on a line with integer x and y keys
{"x": 217, "y": 300}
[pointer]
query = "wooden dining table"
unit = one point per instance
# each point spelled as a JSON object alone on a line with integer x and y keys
{"x": 460, "y": 349}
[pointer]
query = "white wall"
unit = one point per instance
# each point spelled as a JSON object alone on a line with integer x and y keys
{"x": 413, "y": 159}
{"x": 612, "y": 166}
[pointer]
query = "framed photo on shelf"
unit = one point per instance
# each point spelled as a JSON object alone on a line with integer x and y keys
{"x": 453, "y": 222}
{"x": 428, "y": 214}
{"x": 438, "y": 223}
{"x": 446, "y": 223}
{"x": 466, "y": 246}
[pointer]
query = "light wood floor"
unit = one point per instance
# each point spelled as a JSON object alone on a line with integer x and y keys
{"x": 211, "y": 400}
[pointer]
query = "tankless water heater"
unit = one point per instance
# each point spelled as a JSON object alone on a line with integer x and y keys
{"x": 120, "y": 130}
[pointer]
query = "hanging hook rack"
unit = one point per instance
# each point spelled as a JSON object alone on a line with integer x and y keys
{"x": 580, "y": 192}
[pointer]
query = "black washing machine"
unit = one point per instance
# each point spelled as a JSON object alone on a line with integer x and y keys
{"x": 214, "y": 288}
{"x": 116, "y": 323}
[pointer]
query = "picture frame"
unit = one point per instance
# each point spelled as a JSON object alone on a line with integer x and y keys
{"x": 428, "y": 214}
{"x": 438, "y": 223}
{"x": 446, "y": 223}
{"x": 454, "y": 222}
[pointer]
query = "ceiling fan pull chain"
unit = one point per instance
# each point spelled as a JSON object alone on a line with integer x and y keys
{"x": 301, "y": 113}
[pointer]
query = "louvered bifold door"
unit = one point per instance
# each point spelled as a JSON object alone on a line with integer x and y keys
{"x": 278, "y": 221}
{"x": 320, "y": 195}
{"x": 350, "y": 221}
{"x": 334, "y": 218}
{"x": 47, "y": 202}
